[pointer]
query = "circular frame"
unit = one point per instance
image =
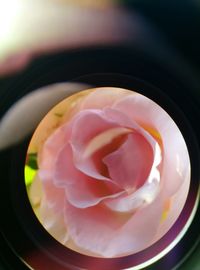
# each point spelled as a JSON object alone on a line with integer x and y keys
{"x": 38, "y": 248}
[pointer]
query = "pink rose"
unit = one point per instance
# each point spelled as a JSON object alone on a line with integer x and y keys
{"x": 115, "y": 175}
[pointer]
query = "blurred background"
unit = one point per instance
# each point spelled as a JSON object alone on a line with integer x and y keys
{"x": 29, "y": 28}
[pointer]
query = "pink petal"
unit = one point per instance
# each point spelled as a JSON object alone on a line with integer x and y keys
{"x": 81, "y": 190}
{"x": 147, "y": 191}
{"x": 177, "y": 202}
{"x": 52, "y": 146}
{"x": 53, "y": 222}
{"x": 176, "y": 164}
{"x": 103, "y": 97}
{"x": 86, "y": 126}
{"x": 137, "y": 199}
{"x": 98, "y": 122}
{"x": 55, "y": 196}
{"x": 130, "y": 165}
{"x": 125, "y": 121}
{"x": 47, "y": 157}
{"x": 101, "y": 231}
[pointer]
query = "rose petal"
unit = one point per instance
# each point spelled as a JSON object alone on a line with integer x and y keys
{"x": 130, "y": 165}
{"x": 53, "y": 222}
{"x": 125, "y": 121}
{"x": 138, "y": 195}
{"x": 98, "y": 122}
{"x": 176, "y": 162}
{"x": 176, "y": 205}
{"x": 55, "y": 196}
{"x": 137, "y": 199}
{"x": 104, "y": 139}
{"x": 93, "y": 122}
{"x": 99, "y": 230}
{"x": 175, "y": 155}
{"x": 81, "y": 190}
{"x": 46, "y": 158}
{"x": 103, "y": 97}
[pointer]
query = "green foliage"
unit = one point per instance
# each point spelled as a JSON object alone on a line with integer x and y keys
{"x": 32, "y": 161}
{"x": 31, "y": 168}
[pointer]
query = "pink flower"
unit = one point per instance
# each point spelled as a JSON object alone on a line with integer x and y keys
{"x": 115, "y": 175}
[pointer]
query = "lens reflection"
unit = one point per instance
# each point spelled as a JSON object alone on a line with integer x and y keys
{"x": 103, "y": 164}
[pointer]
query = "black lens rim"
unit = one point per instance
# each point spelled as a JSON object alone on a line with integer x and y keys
{"x": 15, "y": 156}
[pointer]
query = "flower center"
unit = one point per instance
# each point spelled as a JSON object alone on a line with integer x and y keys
{"x": 103, "y": 139}
{"x": 104, "y": 144}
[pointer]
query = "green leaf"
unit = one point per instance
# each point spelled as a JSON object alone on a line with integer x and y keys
{"x": 29, "y": 175}
{"x": 32, "y": 161}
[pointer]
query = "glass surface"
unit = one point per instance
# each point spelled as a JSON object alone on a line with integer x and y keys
{"x": 107, "y": 172}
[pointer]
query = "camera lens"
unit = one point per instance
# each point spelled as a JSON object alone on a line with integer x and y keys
{"x": 23, "y": 98}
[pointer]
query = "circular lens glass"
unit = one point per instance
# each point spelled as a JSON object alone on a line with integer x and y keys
{"x": 107, "y": 172}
